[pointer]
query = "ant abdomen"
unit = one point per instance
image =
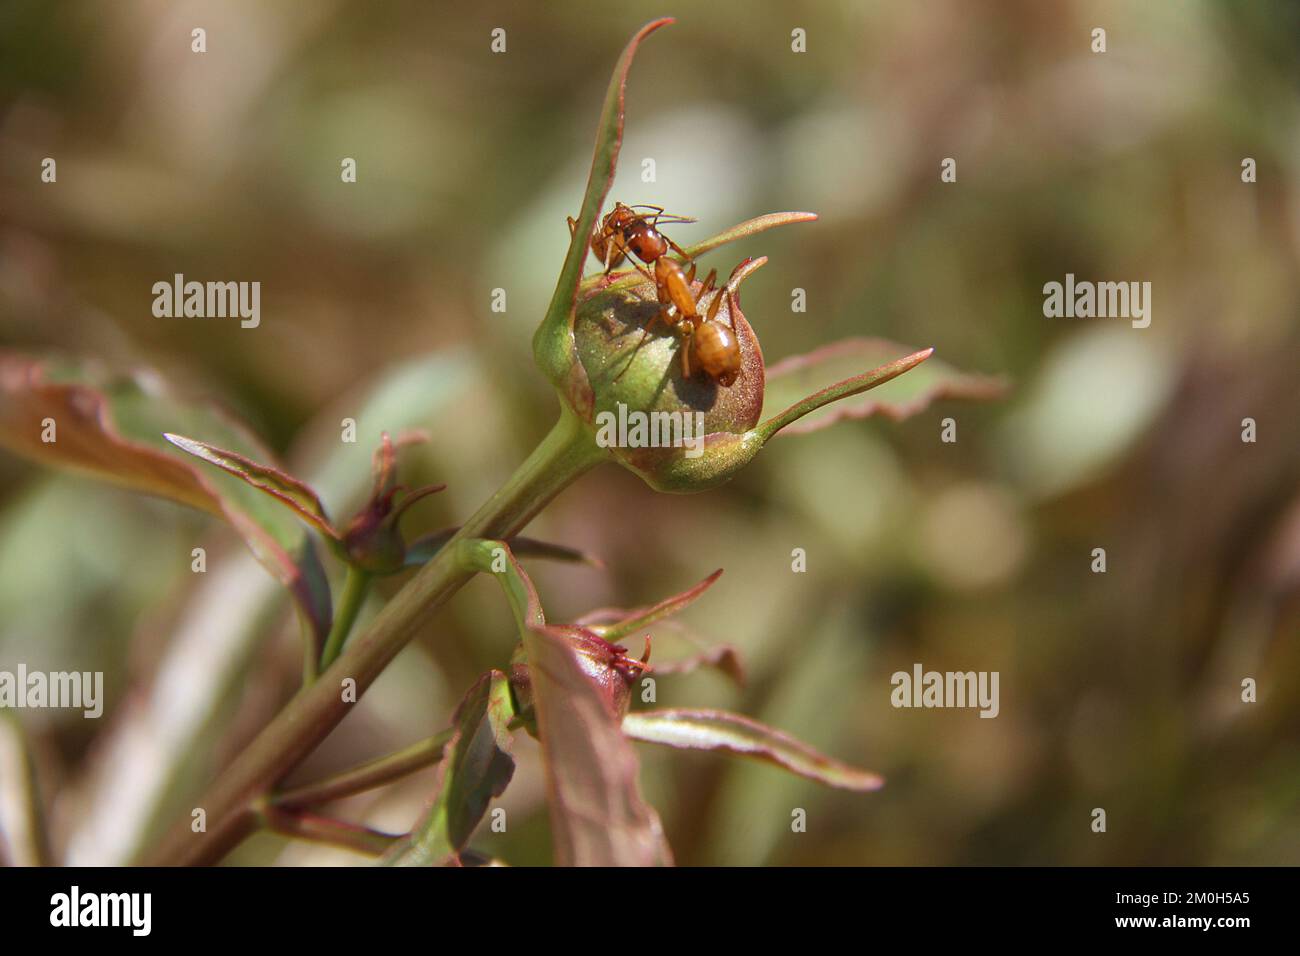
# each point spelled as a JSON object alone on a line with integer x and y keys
{"x": 716, "y": 350}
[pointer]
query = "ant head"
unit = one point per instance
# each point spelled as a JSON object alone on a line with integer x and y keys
{"x": 622, "y": 215}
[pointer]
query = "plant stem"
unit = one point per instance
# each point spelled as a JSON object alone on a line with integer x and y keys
{"x": 355, "y": 588}
{"x": 566, "y": 453}
{"x": 368, "y": 775}
{"x": 310, "y": 651}
{"x": 318, "y": 829}
{"x": 21, "y": 807}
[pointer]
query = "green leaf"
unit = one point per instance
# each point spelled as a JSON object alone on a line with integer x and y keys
{"x": 626, "y": 622}
{"x": 801, "y": 386}
{"x": 750, "y": 227}
{"x": 423, "y": 548}
{"x": 278, "y": 484}
{"x": 479, "y": 769}
{"x": 111, "y": 427}
{"x": 553, "y": 343}
{"x": 598, "y": 816}
{"x": 719, "y": 730}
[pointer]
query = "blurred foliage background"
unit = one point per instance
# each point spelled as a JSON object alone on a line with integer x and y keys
{"x": 1119, "y": 691}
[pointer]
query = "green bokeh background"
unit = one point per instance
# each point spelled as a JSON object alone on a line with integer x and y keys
{"x": 1120, "y": 691}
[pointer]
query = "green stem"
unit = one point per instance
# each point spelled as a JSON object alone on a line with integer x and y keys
{"x": 369, "y": 775}
{"x": 355, "y": 588}
{"x": 566, "y": 453}
{"x": 310, "y": 650}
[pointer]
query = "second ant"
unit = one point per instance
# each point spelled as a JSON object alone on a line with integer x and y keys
{"x": 711, "y": 345}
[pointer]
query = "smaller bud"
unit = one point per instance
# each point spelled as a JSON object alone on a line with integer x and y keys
{"x": 372, "y": 540}
{"x": 610, "y": 669}
{"x": 607, "y": 665}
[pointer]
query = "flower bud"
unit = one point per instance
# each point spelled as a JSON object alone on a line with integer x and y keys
{"x": 372, "y": 540}
{"x": 607, "y": 665}
{"x": 632, "y": 359}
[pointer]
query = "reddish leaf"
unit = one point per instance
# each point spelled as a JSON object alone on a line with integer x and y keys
{"x": 805, "y": 386}
{"x": 724, "y": 658}
{"x": 279, "y": 485}
{"x": 598, "y": 817}
{"x": 721, "y": 730}
{"x": 111, "y": 427}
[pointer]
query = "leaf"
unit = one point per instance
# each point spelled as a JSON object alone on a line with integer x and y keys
{"x": 751, "y": 227}
{"x": 800, "y": 385}
{"x": 553, "y": 344}
{"x": 626, "y": 622}
{"x": 152, "y": 760}
{"x": 480, "y": 768}
{"x": 720, "y": 730}
{"x": 111, "y": 427}
{"x": 724, "y": 658}
{"x": 423, "y": 548}
{"x": 278, "y": 484}
{"x": 614, "y": 624}
{"x": 599, "y": 282}
{"x": 598, "y": 817}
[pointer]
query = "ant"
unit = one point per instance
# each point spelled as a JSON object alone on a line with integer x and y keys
{"x": 706, "y": 341}
{"x": 714, "y": 346}
{"x": 626, "y": 230}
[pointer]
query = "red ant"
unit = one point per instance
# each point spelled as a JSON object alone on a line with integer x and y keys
{"x": 626, "y": 230}
{"x": 713, "y": 346}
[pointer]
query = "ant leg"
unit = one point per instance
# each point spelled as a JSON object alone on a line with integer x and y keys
{"x": 731, "y": 317}
{"x": 660, "y": 316}
{"x": 612, "y": 253}
{"x": 678, "y": 249}
{"x": 685, "y": 342}
{"x": 663, "y": 315}
{"x": 645, "y": 271}
{"x": 682, "y": 254}
{"x": 658, "y": 214}
{"x": 573, "y": 227}
{"x": 707, "y": 286}
{"x": 713, "y": 306}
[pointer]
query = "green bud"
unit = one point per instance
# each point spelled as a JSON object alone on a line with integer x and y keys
{"x": 631, "y": 362}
